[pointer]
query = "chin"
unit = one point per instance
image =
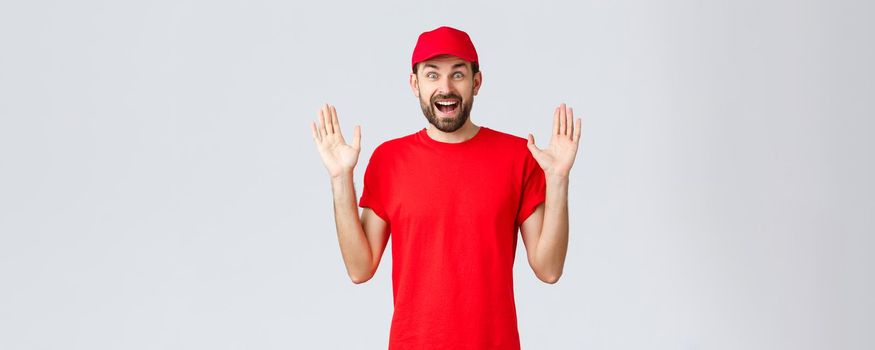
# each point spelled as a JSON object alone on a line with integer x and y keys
{"x": 444, "y": 122}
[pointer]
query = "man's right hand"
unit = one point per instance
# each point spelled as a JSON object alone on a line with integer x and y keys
{"x": 339, "y": 157}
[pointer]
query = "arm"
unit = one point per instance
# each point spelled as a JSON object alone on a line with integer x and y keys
{"x": 545, "y": 232}
{"x": 362, "y": 240}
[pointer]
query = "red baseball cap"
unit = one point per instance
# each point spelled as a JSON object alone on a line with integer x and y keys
{"x": 443, "y": 41}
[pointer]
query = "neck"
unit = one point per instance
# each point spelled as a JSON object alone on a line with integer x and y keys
{"x": 465, "y": 133}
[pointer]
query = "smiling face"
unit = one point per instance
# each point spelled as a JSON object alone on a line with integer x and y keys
{"x": 445, "y": 86}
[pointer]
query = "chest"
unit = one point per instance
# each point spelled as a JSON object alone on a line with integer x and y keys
{"x": 463, "y": 188}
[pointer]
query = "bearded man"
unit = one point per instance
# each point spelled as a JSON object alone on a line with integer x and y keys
{"x": 452, "y": 197}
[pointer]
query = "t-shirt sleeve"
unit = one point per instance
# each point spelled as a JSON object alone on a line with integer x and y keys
{"x": 534, "y": 190}
{"x": 374, "y": 189}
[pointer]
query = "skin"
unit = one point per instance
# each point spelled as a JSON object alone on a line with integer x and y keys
{"x": 363, "y": 238}
{"x": 442, "y": 76}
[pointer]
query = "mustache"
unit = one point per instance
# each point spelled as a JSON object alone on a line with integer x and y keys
{"x": 447, "y": 96}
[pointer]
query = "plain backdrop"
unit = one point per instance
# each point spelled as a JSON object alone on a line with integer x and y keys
{"x": 160, "y": 188}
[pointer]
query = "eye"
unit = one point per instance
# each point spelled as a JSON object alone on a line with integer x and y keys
{"x": 458, "y": 75}
{"x": 431, "y": 75}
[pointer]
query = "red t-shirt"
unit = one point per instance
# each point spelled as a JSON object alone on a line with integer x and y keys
{"x": 454, "y": 210}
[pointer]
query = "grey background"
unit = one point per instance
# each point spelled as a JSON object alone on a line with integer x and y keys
{"x": 161, "y": 189}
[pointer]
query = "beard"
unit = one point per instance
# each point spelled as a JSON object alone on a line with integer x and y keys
{"x": 446, "y": 124}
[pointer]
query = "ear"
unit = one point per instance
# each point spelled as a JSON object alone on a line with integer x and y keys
{"x": 414, "y": 85}
{"x": 478, "y": 79}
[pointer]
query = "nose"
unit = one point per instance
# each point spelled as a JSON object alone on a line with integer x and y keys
{"x": 444, "y": 86}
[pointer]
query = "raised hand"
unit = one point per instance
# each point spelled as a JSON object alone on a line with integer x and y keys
{"x": 339, "y": 157}
{"x": 558, "y": 157}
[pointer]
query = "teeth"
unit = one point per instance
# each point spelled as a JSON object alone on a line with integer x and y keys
{"x": 442, "y": 103}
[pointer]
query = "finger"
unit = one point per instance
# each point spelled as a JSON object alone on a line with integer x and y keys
{"x": 321, "y": 124}
{"x": 531, "y": 144}
{"x": 556, "y": 121}
{"x": 562, "y": 119}
{"x": 328, "y": 123}
{"x": 577, "y": 130}
{"x": 324, "y": 120}
{"x": 357, "y": 137}
{"x": 316, "y": 136}
{"x": 335, "y": 124}
{"x": 569, "y": 114}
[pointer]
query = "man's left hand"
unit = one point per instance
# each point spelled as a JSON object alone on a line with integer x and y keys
{"x": 558, "y": 157}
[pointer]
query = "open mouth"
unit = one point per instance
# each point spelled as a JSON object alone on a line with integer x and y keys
{"x": 447, "y": 106}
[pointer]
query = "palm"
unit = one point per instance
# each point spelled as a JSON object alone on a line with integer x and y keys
{"x": 337, "y": 155}
{"x": 559, "y": 156}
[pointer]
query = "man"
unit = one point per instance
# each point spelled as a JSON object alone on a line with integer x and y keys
{"x": 453, "y": 196}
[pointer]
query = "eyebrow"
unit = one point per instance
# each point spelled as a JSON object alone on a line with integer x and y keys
{"x": 457, "y": 65}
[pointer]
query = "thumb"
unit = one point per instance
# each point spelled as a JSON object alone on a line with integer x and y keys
{"x": 531, "y": 144}
{"x": 357, "y": 137}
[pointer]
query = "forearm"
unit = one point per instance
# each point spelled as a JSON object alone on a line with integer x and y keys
{"x": 553, "y": 242}
{"x": 354, "y": 244}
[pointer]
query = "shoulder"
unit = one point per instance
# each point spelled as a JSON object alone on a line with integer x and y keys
{"x": 393, "y": 146}
{"x": 501, "y": 136}
{"x": 515, "y": 149}
{"x": 507, "y": 140}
